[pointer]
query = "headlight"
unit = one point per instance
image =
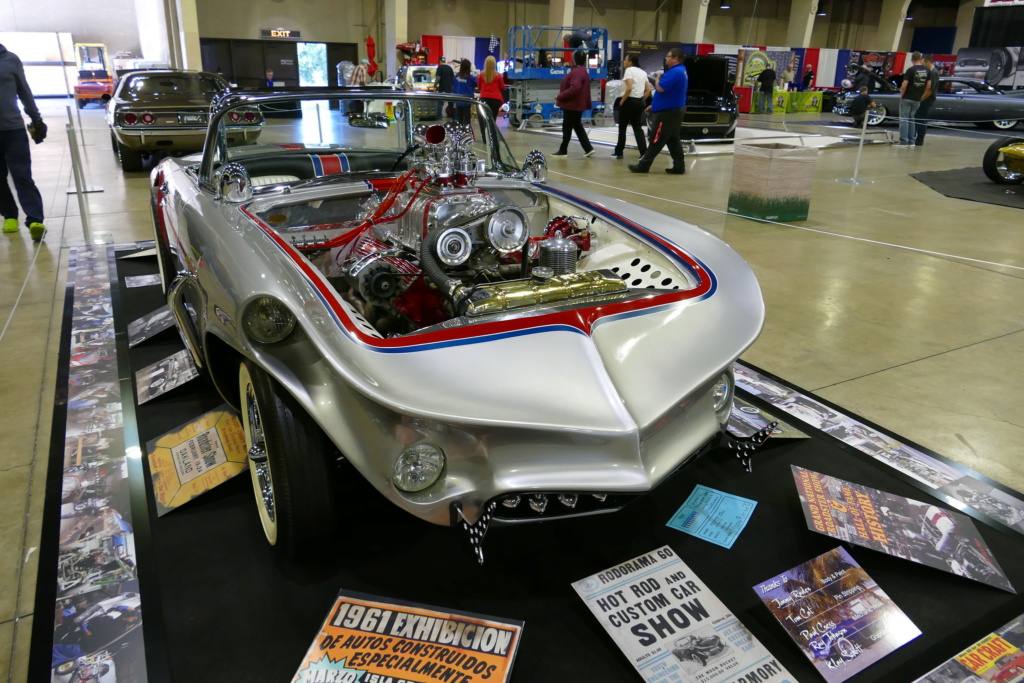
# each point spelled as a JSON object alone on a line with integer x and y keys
{"x": 721, "y": 395}
{"x": 267, "y": 320}
{"x": 418, "y": 467}
{"x": 507, "y": 230}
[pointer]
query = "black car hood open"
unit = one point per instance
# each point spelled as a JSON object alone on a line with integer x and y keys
{"x": 709, "y": 80}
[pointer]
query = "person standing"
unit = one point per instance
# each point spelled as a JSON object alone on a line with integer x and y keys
{"x": 269, "y": 80}
{"x": 766, "y": 89}
{"x": 666, "y": 120}
{"x": 464, "y": 84}
{"x": 444, "y": 80}
{"x": 14, "y": 150}
{"x": 492, "y": 87}
{"x": 928, "y": 102}
{"x": 573, "y": 99}
{"x": 915, "y": 87}
{"x": 632, "y": 105}
{"x": 808, "y": 78}
{"x": 788, "y": 77}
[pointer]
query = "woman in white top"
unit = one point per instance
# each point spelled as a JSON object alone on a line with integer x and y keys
{"x": 632, "y": 105}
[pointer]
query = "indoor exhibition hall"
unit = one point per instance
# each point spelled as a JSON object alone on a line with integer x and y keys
{"x": 463, "y": 341}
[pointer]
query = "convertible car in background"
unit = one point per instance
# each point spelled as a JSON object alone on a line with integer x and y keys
{"x": 1003, "y": 162}
{"x": 480, "y": 345}
{"x": 167, "y": 111}
{"x": 955, "y": 103}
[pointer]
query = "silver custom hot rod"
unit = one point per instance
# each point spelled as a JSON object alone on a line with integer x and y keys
{"x": 481, "y": 345}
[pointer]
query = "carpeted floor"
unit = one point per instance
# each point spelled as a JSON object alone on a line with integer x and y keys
{"x": 972, "y": 184}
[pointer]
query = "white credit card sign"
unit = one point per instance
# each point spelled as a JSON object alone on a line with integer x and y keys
{"x": 1004, "y": 3}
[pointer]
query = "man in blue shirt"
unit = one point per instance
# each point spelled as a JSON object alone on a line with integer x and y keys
{"x": 666, "y": 116}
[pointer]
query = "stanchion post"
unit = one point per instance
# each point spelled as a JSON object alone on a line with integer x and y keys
{"x": 319, "y": 126}
{"x": 860, "y": 149}
{"x": 76, "y": 163}
{"x": 76, "y": 173}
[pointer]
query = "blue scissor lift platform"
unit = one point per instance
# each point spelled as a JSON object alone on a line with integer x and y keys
{"x": 535, "y": 85}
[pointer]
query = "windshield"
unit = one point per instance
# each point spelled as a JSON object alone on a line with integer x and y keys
{"x": 174, "y": 85}
{"x": 302, "y": 138}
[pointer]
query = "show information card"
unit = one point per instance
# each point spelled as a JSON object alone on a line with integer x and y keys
{"x": 671, "y": 627}
{"x": 713, "y": 515}
{"x": 916, "y": 531}
{"x": 840, "y": 618}
{"x": 368, "y": 638}
{"x": 999, "y": 656}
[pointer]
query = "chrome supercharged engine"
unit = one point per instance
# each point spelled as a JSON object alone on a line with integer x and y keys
{"x": 437, "y": 250}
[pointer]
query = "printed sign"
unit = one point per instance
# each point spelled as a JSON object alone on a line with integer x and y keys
{"x": 368, "y": 638}
{"x": 671, "y": 627}
{"x": 713, "y": 515}
{"x": 998, "y": 657}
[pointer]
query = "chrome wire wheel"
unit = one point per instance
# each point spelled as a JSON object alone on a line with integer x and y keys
{"x": 996, "y": 165}
{"x": 876, "y": 115}
{"x": 1005, "y": 124}
{"x": 259, "y": 462}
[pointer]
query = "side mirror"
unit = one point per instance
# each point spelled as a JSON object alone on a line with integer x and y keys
{"x": 535, "y": 167}
{"x": 233, "y": 184}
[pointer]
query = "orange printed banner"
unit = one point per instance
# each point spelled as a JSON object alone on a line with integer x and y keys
{"x": 370, "y": 639}
{"x": 196, "y": 457}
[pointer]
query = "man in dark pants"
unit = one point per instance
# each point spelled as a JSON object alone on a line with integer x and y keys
{"x": 444, "y": 81}
{"x": 14, "y": 150}
{"x": 666, "y": 118}
{"x": 927, "y": 102}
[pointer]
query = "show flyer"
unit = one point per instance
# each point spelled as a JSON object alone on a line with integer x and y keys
{"x": 996, "y": 658}
{"x": 841, "y": 620}
{"x": 371, "y": 639}
{"x": 672, "y": 627}
{"x": 902, "y": 527}
{"x": 196, "y": 457}
{"x": 713, "y": 515}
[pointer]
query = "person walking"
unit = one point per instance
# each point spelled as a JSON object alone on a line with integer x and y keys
{"x": 464, "y": 84}
{"x": 632, "y": 105}
{"x": 666, "y": 120}
{"x": 14, "y": 150}
{"x": 573, "y": 99}
{"x": 766, "y": 89}
{"x": 492, "y": 87}
{"x": 444, "y": 80}
{"x": 915, "y": 87}
{"x": 928, "y": 101}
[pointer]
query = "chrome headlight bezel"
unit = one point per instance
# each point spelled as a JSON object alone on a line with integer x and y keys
{"x": 267, "y": 320}
{"x": 722, "y": 392}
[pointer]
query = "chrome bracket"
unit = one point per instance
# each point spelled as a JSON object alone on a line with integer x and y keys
{"x": 743, "y": 447}
{"x": 475, "y": 532}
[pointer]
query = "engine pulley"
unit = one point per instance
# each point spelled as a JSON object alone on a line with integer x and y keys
{"x": 507, "y": 229}
{"x": 454, "y": 246}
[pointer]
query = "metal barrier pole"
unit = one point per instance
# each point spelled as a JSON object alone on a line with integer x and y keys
{"x": 76, "y": 172}
{"x": 76, "y": 163}
{"x": 860, "y": 149}
{"x": 319, "y": 127}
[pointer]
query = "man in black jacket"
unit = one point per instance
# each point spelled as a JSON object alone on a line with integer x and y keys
{"x": 14, "y": 150}
{"x": 444, "y": 81}
{"x": 927, "y": 102}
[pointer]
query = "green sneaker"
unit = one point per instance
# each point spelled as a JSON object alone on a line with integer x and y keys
{"x": 37, "y": 230}
{"x": 10, "y": 225}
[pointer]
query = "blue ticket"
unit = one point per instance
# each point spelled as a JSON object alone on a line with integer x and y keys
{"x": 713, "y": 515}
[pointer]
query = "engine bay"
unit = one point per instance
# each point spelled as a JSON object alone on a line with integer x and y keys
{"x": 444, "y": 244}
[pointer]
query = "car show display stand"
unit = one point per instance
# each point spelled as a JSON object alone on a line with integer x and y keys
{"x": 219, "y": 605}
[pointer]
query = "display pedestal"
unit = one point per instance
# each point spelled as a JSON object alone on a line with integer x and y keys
{"x": 772, "y": 181}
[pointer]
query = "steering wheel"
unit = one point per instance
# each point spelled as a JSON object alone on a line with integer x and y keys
{"x": 408, "y": 150}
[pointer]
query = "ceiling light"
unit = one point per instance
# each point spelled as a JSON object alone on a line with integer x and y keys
{"x": 724, "y": 4}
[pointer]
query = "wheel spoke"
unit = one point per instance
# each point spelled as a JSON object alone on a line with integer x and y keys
{"x": 258, "y": 455}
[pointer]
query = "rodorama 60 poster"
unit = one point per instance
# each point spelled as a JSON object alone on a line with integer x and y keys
{"x": 369, "y": 639}
{"x": 671, "y": 627}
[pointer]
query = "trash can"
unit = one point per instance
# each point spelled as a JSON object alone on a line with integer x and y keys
{"x": 772, "y": 181}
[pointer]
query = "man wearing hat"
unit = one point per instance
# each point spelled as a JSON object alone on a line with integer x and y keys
{"x": 444, "y": 81}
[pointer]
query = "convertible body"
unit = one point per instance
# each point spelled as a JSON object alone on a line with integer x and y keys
{"x": 479, "y": 344}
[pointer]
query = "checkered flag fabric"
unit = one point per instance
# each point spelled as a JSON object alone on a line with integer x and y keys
{"x": 493, "y": 44}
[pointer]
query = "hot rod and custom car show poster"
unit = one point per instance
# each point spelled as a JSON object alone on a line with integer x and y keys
{"x": 368, "y": 638}
{"x": 195, "y": 457}
{"x": 838, "y": 616}
{"x": 996, "y": 658}
{"x": 915, "y": 531}
{"x": 672, "y": 627}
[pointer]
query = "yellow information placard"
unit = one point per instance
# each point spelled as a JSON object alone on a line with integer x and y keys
{"x": 196, "y": 457}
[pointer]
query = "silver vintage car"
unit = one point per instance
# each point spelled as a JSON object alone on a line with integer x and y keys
{"x": 481, "y": 345}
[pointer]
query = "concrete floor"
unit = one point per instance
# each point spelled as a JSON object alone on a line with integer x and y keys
{"x": 898, "y": 304}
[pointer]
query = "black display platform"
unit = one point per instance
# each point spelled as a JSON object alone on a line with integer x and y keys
{"x": 972, "y": 184}
{"x": 217, "y": 606}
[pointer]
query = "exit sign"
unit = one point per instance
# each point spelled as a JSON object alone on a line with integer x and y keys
{"x": 279, "y": 33}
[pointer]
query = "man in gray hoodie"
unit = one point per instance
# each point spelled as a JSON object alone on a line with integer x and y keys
{"x": 14, "y": 149}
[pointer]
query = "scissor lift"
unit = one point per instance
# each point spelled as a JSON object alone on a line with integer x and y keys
{"x": 535, "y": 84}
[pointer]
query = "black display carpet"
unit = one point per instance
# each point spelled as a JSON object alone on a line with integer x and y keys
{"x": 972, "y": 184}
{"x": 218, "y": 607}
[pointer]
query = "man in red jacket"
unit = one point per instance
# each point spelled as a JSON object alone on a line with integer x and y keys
{"x": 573, "y": 99}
